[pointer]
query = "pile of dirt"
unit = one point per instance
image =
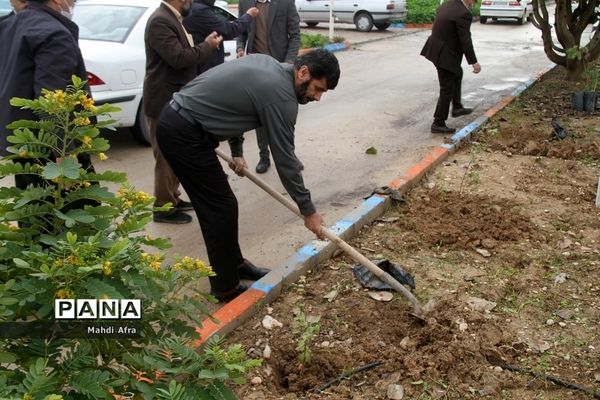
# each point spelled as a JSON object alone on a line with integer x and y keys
{"x": 505, "y": 241}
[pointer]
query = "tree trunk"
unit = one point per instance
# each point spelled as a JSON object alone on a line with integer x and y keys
{"x": 575, "y": 69}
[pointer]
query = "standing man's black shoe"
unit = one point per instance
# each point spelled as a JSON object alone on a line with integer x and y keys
{"x": 224, "y": 297}
{"x": 184, "y": 206}
{"x": 177, "y": 217}
{"x": 263, "y": 165}
{"x": 249, "y": 271}
{"x": 441, "y": 129}
{"x": 461, "y": 111}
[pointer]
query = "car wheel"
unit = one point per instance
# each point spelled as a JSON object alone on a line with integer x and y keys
{"x": 383, "y": 26}
{"x": 483, "y": 20}
{"x": 311, "y": 24}
{"x": 363, "y": 22}
{"x": 140, "y": 131}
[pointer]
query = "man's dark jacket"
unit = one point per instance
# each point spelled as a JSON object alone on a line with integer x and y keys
{"x": 283, "y": 27}
{"x": 170, "y": 60}
{"x": 10, "y": 14}
{"x": 204, "y": 20}
{"x": 39, "y": 50}
{"x": 450, "y": 37}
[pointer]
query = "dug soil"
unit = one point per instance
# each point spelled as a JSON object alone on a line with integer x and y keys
{"x": 503, "y": 237}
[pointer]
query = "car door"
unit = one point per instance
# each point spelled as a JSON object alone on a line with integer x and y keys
{"x": 344, "y": 10}
{"x": 313, "y": 10}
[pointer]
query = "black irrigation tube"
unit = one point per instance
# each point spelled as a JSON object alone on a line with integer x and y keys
{"x": 552, "y": 379}
{"x": 345, "y": 375}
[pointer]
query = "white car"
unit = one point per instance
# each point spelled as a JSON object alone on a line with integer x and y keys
{"x": 520, "y": 10}
{"x": 111, "y": 38}
{"x": 363, "y": 13}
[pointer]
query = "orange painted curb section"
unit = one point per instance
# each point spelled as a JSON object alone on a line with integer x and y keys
{"x": 229, "y": 312}
{"x": 430, "y": 160}
{"x": 499, "y": 106}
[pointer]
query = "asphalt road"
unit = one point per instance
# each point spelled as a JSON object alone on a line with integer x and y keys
{"x": 385, "y": 99}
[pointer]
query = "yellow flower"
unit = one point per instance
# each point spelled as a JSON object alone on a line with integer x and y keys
{"x": 23, "y": 153}
{"x": 86, "y": 184}
{"x": 59, "y": 96}
{"x": 145, "y": 256}
{"x": 143, "y": 196}
{"x": 81, "y": 121}
{"x": 73, "y": 260}
{"x": 107, "y": 268}
{"x": 87, "y": 141}
{"x": 102, "y": 156}
{"x": 64, "y": 294}
{"x": 58, "y": 263}
{"x": 87, "y": 103}
{"x": 191, "y": 264}
{"x": 149, "y": 237}
{"x": 155, "y": 265}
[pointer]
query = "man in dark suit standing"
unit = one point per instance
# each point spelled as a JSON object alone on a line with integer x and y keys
{"x": 274, "y": 32}
{"x": 171, "y": 62}
{"x": 204, "y": 19}
{"x": 450, "y": 39}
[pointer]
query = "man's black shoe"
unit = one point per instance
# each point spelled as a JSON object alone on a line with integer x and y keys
{"x": 441, "y": 129}
{"x": 461, "y": 111}
{"x": 177, "y": 217}
{"x": 249, "y": 271}
{"x": 225, "y": 297}
{"x": 184, "y": 206}
{"x": 263, "y": 165}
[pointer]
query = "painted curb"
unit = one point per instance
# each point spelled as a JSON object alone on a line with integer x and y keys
{"x": 237, "y": 311}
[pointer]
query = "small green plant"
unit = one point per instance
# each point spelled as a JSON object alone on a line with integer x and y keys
{"x": 311, "y": 40}
{"x": 305, "y": 328}
{"x": 592, "y": 78}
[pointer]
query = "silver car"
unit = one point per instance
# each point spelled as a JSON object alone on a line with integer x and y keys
{"x": 520, "y": 10}
{"x": 363, "y": 13}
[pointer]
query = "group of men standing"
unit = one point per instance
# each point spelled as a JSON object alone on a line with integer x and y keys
{"x": 193, "y": 101}
{"x": 184, "y": 39}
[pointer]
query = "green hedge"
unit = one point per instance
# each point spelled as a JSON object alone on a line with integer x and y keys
{"x": 423, "y": 11}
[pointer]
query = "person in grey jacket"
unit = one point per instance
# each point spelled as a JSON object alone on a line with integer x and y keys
{"x": 275, "y": 32}
{"x": 221, "y": 104}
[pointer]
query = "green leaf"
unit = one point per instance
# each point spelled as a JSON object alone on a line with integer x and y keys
{"x": 80, "y": 215}
{"x": 220, "y": 392}
{"x": 99, "y": 289}
{"x": 91, "y": 384}
{"x": 371, "y": 150}
{"x": 69, "y": 167}
{"x": 21, "y": 263}
{"x": 7, "y": 358}
{"x": 99, "y": 144}
{"x": 106, "y": 176}
{"x": 33, "y": 194}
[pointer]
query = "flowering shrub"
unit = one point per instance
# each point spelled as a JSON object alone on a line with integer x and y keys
{"x": 69, "y": 236}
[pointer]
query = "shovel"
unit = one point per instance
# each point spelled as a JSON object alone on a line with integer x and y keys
{"x": 384, "y": 276}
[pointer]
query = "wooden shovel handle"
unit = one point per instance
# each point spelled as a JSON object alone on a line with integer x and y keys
{"x": 351, "y": 251}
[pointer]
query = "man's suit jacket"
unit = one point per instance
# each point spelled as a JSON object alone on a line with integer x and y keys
{"x": 204, "y": 20}
{"x": 283, "y": 27}
{"x": 450, "y": 37}
{"x": 39, "y": 51}
{"x": 170, "y": 60}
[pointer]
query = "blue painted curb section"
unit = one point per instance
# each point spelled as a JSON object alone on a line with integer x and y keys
{"x": 310, "y": 255}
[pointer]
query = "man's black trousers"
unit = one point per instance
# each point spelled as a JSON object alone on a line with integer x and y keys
{"x": 450, "y": 92}
{"x": 190, "y": 151}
